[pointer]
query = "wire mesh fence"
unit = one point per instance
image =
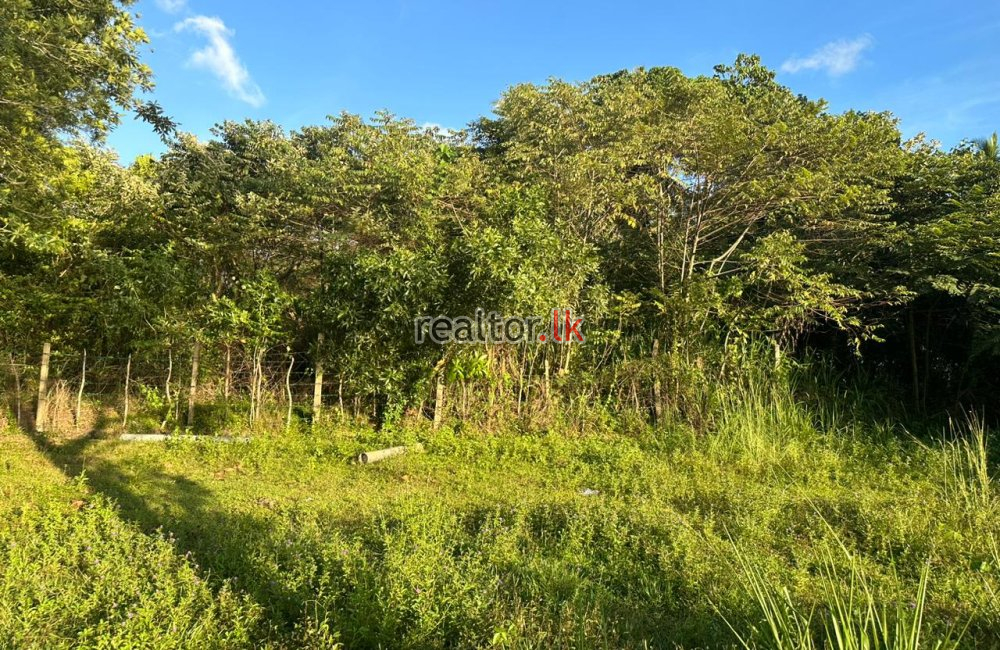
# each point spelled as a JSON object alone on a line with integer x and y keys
{"x": 77, "y": 380}
{"x": 215, "y": 388}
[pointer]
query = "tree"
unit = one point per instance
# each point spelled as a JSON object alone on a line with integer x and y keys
{"x": 949, "y": 203}
{"x": 678, "y": 181}
{"x": 65, "y": 67}
{"x": 988, "y": 147}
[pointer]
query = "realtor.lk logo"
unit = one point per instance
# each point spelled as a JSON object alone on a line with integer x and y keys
{"x": 492, "y": 327}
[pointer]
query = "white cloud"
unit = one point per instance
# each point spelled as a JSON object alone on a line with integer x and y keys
{"x": 171, "y": 6}
{"x": 219, "y": 58}
{"x": 836, "y": 58}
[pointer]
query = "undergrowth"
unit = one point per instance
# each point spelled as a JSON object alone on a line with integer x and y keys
{"x": 789, "y": 525}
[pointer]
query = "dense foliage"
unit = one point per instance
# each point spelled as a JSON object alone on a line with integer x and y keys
{"x": 688, "y": 216}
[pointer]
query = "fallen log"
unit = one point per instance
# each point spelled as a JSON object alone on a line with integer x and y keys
{"x": 375, "y": 456}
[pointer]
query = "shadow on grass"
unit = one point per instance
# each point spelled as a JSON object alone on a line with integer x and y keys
{"x": 224, "y": 544}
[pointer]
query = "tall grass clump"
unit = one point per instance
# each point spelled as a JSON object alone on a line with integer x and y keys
{"x": 966, "y": 477}
{"x": 850, "y": 613}
{"x": 758, "y": 415}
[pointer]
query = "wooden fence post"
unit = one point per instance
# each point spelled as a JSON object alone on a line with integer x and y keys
{"x": 439, "y": 401}
{"x": 318, "y": 381}
{"x": 128, "y": 380}
{"x": 42, "y": 409}
{"x": 193, "y": 386}
{"x": 79, "y": 392}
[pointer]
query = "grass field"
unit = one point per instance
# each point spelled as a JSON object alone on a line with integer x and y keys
{"x": 783, "y": 527}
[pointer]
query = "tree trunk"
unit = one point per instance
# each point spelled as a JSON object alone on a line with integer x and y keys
{"x": 657, "y": 386}
{"x": 288, "y": 391}
{"x": 193, "y": 386}
{"x": 253, "y": 386}
{"x": 228, "y": 382}
{"x": 42, "y": 408}
{"x": 166, "y": 388}
{"x": 522, "y": 358}
{"x": 260, "y": 379}
{"x": 256, "y": 383}
{"x": 531, "y": 374}
{"x": 548, "y": 381}
{"x": 170, "y": 375}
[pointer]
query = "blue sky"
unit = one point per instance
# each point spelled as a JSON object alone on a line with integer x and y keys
{"x": 933, "y": 64}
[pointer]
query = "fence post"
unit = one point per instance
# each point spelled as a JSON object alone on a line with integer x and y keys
{"x": 193, "y": 386}
{"x": 42, "y": 409}
{"x": 439, "y": 401}
{"x": 318, "y": 381}
{"x": 128, "y": 380}
{"x": 79, "y": 393}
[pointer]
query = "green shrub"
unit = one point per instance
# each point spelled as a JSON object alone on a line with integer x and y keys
{"x": 84, "y": 578}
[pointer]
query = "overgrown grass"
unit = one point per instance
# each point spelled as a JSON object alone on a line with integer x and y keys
{"x": 786, "y": 525}
{"x": 75, "y": 575}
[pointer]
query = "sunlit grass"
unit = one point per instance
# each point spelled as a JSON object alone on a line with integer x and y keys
{"x": 783, "y": 526}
